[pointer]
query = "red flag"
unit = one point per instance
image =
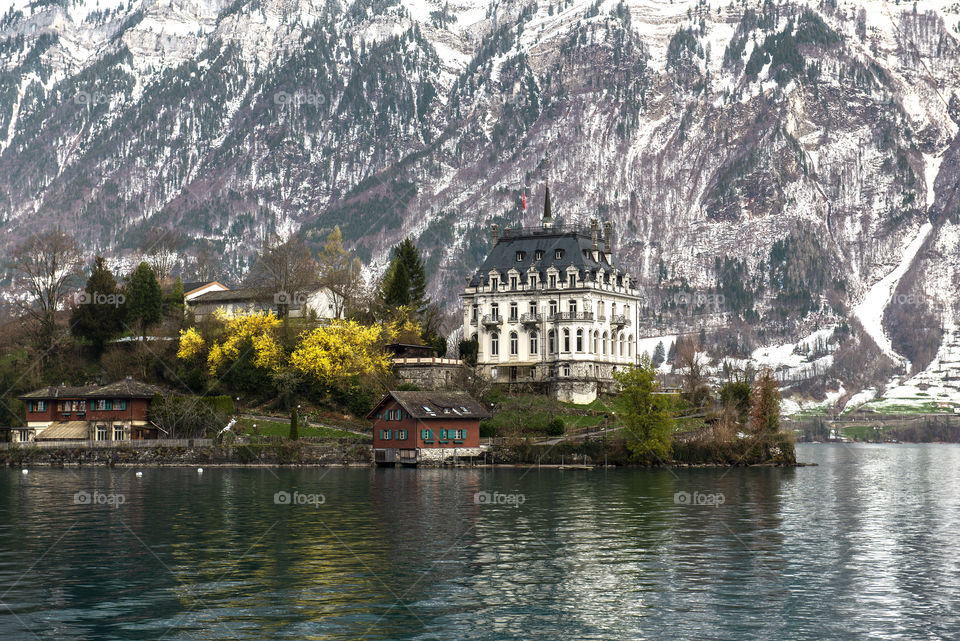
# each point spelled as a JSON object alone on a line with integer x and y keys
{"x": 524, "y": 200}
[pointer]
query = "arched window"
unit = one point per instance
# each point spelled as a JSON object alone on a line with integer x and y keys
{"x": 620, "y": 341}
{"x": 566, "y": 370}
{"x": 566, "y": 340}
{"x": 552, "y": 341}
{"x": 514, "y": 344}
{"x": 494, "y": 344}
{"x": 495, "y": 311}
{"x": 534, "y": 344}
{"x": 630, "y": 346}
{"x": 604, "y": 343}
{"x": 579, "y": 340}
{"x": 596, "y": 342}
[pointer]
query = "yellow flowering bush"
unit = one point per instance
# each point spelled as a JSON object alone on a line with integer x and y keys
{"x": 341, "y": 350}
{"x": 259, "y": 329}
{"x": 191, "y": 344}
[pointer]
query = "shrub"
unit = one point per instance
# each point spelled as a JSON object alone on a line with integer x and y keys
{"x": 556, "y": 427}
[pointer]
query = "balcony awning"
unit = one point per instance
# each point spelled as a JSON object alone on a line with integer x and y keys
{"x": 65, "y": 431}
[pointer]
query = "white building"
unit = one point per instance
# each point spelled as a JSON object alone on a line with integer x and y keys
{"x": 549, "y": 306}
{"x": 312, "y": 300}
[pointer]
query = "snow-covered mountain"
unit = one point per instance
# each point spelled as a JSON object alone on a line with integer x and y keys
{"x": 799, "y": 158}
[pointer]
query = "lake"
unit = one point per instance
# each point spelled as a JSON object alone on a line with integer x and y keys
{"x": 863, "y": 545}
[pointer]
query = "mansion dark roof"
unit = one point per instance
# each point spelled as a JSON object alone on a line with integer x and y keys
{"x": 125, "y": 388}
{"x": 518, "y": 249}
{"x": 435, "y": 405}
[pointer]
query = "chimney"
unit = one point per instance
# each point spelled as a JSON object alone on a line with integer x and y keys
{"x": 494, "y": 233}
{"x": 608, "y": 240}
{"x": 595, "y": 236}
{"x": 547, "y": 209}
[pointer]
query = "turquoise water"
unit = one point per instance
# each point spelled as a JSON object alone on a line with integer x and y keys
{"x": 865, "y": 545}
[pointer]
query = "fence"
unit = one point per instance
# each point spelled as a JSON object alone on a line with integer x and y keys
{"x": 160, "y": 442}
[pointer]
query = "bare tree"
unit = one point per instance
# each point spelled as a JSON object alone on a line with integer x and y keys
{"x": 162, "y": 247}
{"x": 340, "y": 272}
{"x": 691, "y": 361}
{"x": 45, "y": 266}
{"x": 206, "y": 261}
{"x": 283, "y": 273}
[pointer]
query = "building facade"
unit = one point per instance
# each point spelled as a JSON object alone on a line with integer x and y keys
{"x": 418, "y": 427}
{"x": 313, "y": 300}
{"x": 549, "y": 305}
{"x": 114, "y": 412}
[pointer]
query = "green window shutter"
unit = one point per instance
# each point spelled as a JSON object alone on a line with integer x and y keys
{"x": 443, "y": 435}
{"x": 109, "y": 405}
{"x": 123, "y": 405}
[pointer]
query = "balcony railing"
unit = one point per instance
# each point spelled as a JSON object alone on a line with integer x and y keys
{"x": 619, "y": 319}
{"x": 571, "y": 316}
{"x": 530, "y": 318}
{"x": 492, "y": 319}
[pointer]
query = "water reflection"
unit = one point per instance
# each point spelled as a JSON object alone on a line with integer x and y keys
{"x": 859, "y": 546}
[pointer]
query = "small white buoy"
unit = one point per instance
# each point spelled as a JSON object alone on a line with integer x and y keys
{"x": 25, "y": 471}
{"x": 139, "y": 474}
{"x": 199, "y": 470}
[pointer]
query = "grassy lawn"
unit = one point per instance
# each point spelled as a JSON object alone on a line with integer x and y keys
{"x": 865, "y": 432}
{"x": 275, "y": 428}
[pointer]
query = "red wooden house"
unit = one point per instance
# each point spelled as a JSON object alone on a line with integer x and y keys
{"x": 114, "y": 412}
{"x": 414, "y": 427}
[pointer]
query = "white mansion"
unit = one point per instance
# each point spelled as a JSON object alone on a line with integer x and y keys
{"x": 548, "y": 306}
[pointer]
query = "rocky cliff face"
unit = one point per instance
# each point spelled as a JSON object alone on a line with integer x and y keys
{"x": 785, "y": 154}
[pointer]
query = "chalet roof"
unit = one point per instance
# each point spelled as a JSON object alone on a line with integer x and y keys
{"x": 435, "y": 405}
{"x": 125, "y": 388}
{"x": 575, "y": 245}
{"x": 128, "y": 388}
{"x": 59, "y": 391}
{"x": 194, "y": 286}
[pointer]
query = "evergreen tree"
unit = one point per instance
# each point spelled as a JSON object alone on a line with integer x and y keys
{"x": 659, "y": 354}
{"x": 174, "y": 303}
{"x": 100, "y": 315}
{"x": 144, "y": 299}
{"x": 405, "y": 281}
{"x": 294, "y": 424}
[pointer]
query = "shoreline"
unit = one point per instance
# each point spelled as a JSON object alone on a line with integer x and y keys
{"x": 161, "y": 464}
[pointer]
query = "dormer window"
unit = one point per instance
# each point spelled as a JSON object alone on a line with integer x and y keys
{"x": 553, "y": 281}
{"x": 558, "y": 254}
{"x": 533, "y": 281}
{"x": 494, "y": 283}
{"x": 513, "y": 282}
{"x": 521, "y": 256}
{"x": 539, "y": 254}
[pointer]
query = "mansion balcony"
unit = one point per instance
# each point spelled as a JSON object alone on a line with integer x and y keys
{"x": 570, "y": 316}
{"x": 619, "y": 320}
{"x": 531, "y": 319}
{"x": 492, "y": 320}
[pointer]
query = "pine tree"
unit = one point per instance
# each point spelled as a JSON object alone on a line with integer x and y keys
{"x": 100, "y": 316}
{"x": 144, "y": 299}
{"x": 405, "y": 282}
{"x": 659, "y": 353}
